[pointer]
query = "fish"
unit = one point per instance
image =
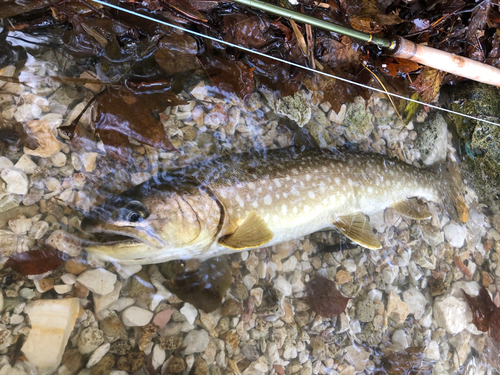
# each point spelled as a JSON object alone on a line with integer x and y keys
{"x": 250, "y": 200}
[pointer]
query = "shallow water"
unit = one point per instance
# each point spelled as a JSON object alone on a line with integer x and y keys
{"x": 406, "y": 314}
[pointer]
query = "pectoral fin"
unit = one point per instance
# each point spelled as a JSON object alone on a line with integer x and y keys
{"x": 412, "y": 209}
{"x": 357, "y": 228}
{"x": 253, "y": 232}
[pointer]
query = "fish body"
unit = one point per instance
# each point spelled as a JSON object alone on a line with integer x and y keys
{"x": 246, "y": 201}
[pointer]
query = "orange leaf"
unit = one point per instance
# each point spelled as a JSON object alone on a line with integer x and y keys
{"x": 428, "y": 83}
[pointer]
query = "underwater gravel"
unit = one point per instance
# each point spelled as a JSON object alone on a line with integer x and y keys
{"x": 407, "y": 295}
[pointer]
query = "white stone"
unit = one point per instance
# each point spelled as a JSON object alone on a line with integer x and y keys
{"x": 455, "y": 234}
{"x": 249, "y": 281}
{"x": 233, "y": 120}
{"x": 458, "y": 288}
{"x": 52, "y": 322}
{"x": 68, "y": 278}
{"x": 399, "y": 337}
{"x": 20, "y": 225}
{"x": 451, "y": 313}
{"x": 16, "y": 180}
{"x": 58, "y": 160}
{"x": 38, "y": 229}
{"x": 158, "y": 357}
{"x": 63, "y": 288}
{"x": 290, "y": 264}
{"x": 98, "y": 281}
{"x": 195, "y": 341}
{"x": 431, "y": 352}
{"x": 52, "y": 184}
{"x": 64, "y": 242}
{"x": 89, "y": 159}
{"x": 27, "y": 112}
{"x": 25, "y": 164}
{"x": 135, "y": 316}
{"x": 416, "y": 302}
{"x": 102, "y": 302}
{"x": 350, "y": 265}
{"x": 357, "y": 356}
{"x": 7, "y": 71}
{"x": 5, "y": 163}
{"x": 375, "y": 295}
{"x": 122, "y": 304}
{"x": 283, "y": 286}
{"x": 16, "y": 319}
{"x": 190, "y": 312}
{"x": 433, "y": 141}
{"x": 98, "y": 354}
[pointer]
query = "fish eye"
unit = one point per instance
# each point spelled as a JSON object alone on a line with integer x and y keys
{"x": 134, "y": 217}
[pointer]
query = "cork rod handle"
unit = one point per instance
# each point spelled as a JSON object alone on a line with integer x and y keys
{"x": 447, "y": 62}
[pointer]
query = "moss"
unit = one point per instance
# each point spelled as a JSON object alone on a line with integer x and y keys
{"x": 481, "y": 140}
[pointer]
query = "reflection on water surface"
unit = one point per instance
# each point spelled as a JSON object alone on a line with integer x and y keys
{"x": 250, "y": 312}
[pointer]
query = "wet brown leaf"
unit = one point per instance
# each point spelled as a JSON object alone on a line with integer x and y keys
{"x": 407, "y": 362}
{"x": 229, "y": 75}
{"x": 324, "y": 298}
{"x": 250, "y": 32}
{"x": 396, "y": 66}
{"x": 177, "y": 54}
{"x": 122, "y": 114}
{"x": 340, "y": 54}
{"x": 428, "y": 83}
{"x": 483, "y": 311}
{"x": 35, "y": 262}
{"x": 367, "y": 16}
{"x": 204, "y": 287}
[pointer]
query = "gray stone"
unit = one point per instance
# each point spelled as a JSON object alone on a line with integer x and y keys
{"x": 358, "y": 120}
{"x": 432, "y": 141}
{"x": 365, "y": 310}
{"x": 195, "y": 341}
{"x": 16, "y": 180}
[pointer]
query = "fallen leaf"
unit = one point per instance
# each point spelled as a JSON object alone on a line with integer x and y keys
{"x": 247, "y": 31}
{"x": 204, "y": 287}
{"x": 122, "y": 114}
{"x": 368, "y": 16}
{"x": 340, "y": 54}
{"x": 408, "y": 361}
{"x": 428, "y": 83}
{"x": 396, "y": 66}
{"x": 35, "y": 262}
{"x": 485, "y": 314}
{"x": 177, "y": 54}
{"x": 324, "y": 298}
{"x": 229, "y": 75}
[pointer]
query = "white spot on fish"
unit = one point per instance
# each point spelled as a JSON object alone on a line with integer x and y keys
{"x": 295, "y": 210}
{"x": 277, "y": 196}
{"x": 249, "y": 198}
{"x": 223, "y": 194}
{"x": 295, "y": 171}
{"x": 323, "y": 169}
{"x": 337, "y": 180}
{"x": 332, "y": 199}
{"x": 277, "y": 183}
{"x": 322, "y": 187}
{"x": 306, "y": 209}
{"x": 240, "y": 201}
{"x": 255, "y": 204}
{"x": 284, "y": 209}
{"x": 370, "y": 189}
{"x": 275, "y": 218}
{"x": 268, "y": 200}
{"x": 308, "y": 177}
{"x": 251, "y": 185}
{"x": 311, "y": 194}
{"x": 349, "y": 181}
{"x": 287, "y": 178}
{"x": 302, "y": 184}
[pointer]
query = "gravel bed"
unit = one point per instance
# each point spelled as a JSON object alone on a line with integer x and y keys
{"x": 120, "y": 320}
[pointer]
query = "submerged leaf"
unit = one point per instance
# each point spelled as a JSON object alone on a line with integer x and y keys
{"x": 482, "y": 308}
{"x": 428, "y": 83}
{"x": 177, "y": 53}
{"x": 324, "y": 298}
{"x": 368, "y": 16}
{"x": 35, "y": 262}
{"x": 409, "y": 361}
{"x": 204, "y": 287}
{"x": 122, "y": 114}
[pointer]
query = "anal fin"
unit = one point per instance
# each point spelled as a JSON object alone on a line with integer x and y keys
{"x": 253, "y": 232}
{"x": 412, "y": 209}
{"x": 356, "y": 228}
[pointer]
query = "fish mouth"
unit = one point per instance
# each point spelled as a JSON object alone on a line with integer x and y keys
{"x": 109, "y": 234}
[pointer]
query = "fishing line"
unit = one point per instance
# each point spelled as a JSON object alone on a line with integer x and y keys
{"x": 289, "y": 62}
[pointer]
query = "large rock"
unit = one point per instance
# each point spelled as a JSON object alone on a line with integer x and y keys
{"x": 432, "y": 141}
{"x": 51, "y": 324}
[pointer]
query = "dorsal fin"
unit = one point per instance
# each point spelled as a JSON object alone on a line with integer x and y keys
{"x": 357, "y": 228}
{"x": 253, "y": 232}
{"x": 412, "y": 209}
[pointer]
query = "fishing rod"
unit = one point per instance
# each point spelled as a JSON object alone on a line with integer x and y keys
{"x": 398, "y": 47}
{"x": 192, "y": 32}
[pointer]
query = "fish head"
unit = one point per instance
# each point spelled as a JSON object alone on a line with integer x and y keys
{"x": 153, "y": 223}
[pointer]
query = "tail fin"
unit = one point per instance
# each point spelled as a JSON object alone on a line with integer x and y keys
{"x": 451, "y": 192}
